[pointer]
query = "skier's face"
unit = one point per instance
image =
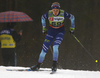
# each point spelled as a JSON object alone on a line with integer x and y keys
{"x": 55, "y": 11}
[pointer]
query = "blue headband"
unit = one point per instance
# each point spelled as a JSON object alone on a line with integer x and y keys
{"x": 55, "y": 6}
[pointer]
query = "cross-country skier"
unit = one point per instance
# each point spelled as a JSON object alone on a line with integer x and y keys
{"x": 55, "y": 32}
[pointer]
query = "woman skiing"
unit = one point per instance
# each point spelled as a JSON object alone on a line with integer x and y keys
{"x": 55, "y": 32}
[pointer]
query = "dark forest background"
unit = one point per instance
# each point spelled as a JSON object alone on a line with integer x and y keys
{"x": 72, "y": 55}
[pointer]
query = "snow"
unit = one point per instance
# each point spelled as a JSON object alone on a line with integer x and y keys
{"x": 61, "y": 73}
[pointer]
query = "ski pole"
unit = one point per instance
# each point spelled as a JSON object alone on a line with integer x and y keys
{"x": 15, "y": 60}
{"x": 84, "y": 47}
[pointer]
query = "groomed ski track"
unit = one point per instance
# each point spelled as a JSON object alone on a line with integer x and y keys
{"x": 61, "y": 73}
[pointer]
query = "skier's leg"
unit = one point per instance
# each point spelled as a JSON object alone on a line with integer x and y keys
{"x": 47, "y": 42}
{"x": 55, "y": 52}
{"x": 42, "y": 56}
{"x": 58, "y": 39}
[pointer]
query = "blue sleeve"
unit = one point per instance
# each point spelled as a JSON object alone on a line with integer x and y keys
{"x": 71, "y": 17}
{"x": 43, "y": 18}
{"x": 66, "y": 15}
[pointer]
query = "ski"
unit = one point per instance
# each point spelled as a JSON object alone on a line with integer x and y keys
{"x": 53, "y": 72}
{"x": 18, "y": 70}
{"x": 25, "y": 70}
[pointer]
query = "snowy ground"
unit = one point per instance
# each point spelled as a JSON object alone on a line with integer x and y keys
{"x": 61, "y": 73}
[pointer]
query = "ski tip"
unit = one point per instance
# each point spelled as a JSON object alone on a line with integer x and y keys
{"x": 29, "y": 70}
{"x": 8, "y": 69}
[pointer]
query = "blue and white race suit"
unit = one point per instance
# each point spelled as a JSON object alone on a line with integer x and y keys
{"x": 55, "y": 32}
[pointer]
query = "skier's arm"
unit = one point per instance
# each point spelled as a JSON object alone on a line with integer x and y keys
{"x": 72, "y": 18}
{"x": 43, "y": 18}
{"x": 43, "y": 21}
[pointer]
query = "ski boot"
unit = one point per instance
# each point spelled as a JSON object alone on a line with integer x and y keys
{"x": 35, "y": 67}
{"x": 54, "y": 66}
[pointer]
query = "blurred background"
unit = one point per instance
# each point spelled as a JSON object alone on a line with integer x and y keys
{"x": 71, "y": 54}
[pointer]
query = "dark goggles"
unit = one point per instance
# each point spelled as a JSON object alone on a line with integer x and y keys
{"x": 55, "y": 6}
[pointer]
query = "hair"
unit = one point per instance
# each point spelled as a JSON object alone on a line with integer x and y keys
{"x": 56, "y": 3}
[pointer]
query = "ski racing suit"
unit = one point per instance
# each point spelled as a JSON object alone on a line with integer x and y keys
{"x": 55, "y": 32}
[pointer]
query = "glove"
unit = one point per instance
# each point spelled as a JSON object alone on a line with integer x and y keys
{"x": 44, "y": 30}
{"x": 72, "y": 30}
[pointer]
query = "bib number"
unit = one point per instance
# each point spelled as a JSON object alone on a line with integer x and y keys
{"x": 56, "y": 24}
